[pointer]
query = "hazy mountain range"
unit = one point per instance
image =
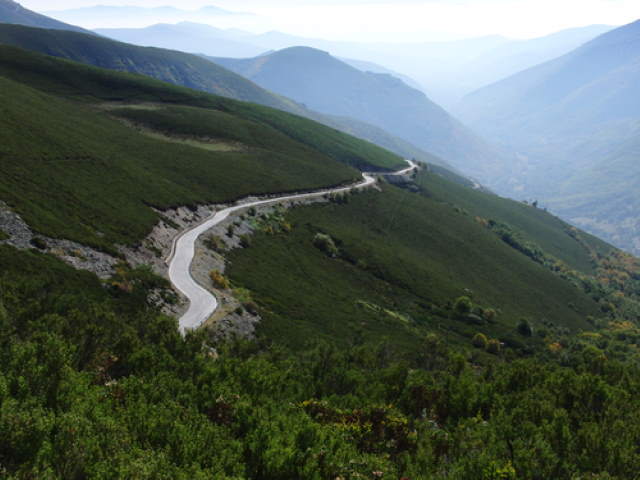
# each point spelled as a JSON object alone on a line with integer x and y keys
{"x": 575, "y": 123}
{"x": 327, "y": 85}
{"x": 445, "y": 70}
{"x": 135, "y": 15}
{"x": 187, "y": 37}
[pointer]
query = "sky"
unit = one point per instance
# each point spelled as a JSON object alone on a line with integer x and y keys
{"x": 401, "y": 20}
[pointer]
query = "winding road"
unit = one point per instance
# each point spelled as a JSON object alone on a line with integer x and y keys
{"x": 201, "y": 302}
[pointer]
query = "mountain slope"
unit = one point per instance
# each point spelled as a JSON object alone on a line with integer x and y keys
{"x": 76, "y": 170}
{"x": 194, "y": 72}
{"x": 13, "y": 12}
{"x": 518, "y": 55}
{"x": 325, "y": 84}
{"x": 568, "y": 118}
{"x": 167, "y": 65}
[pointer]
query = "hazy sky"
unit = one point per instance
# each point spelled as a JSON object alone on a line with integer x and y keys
{"x": 403, "y": 19}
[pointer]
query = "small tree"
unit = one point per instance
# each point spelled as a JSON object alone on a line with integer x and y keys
{"x": 524, "y": 328}
{"x": 245, "y": 241}
{"x": 480, "y": 341}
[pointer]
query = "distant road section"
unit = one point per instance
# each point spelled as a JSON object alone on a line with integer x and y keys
{"x": 202, "y": 303}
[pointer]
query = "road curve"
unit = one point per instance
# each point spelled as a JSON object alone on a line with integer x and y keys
{"x": 201, "y": 302}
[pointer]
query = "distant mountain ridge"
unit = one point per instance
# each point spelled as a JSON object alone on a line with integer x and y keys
{"x": 185, "y": 36}
{"x": 118, "y": 15}
{"x": 13, "y": 12}
{"x": 327, "y": 85}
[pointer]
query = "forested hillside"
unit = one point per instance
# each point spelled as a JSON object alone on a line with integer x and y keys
{"x": 191, "y": 71}
{"x": 80, "y": 173}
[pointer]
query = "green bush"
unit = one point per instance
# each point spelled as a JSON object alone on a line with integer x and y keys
{"x": 463, "y": 305}
{"x": 326, "y": 244}
{"x": 480, "y": 341}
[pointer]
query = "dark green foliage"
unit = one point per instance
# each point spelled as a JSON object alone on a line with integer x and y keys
{"x": 524, "y": 328}
{"x": 480, "y": 341}
{"x": 325, "y": 244}
{"x": 39, "y": 243}
{"x": 72, "y": 171}
{"x": 95, "y": 383}
{"x": 403, "y": 260}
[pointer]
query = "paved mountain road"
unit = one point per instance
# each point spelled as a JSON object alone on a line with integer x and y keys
{"x": 201, "y": 302}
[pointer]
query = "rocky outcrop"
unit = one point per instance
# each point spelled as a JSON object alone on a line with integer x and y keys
{"x": 19, "y": 235}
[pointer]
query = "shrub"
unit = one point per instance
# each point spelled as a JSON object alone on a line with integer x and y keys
{"x": 251, "y": 307}
{"x": 245, "y": 241}
{"x": 480, "y": 341}
{"x": 524, "y": 328}
{"x": 494, "y": 347}
{"x": 39, "y": 243}
{"x": 214, "y": 243}
{"x": 219, "y": 280}
{"x": 326, "y": 244}
{"x": 490, "y": 315}
{"x": 462, "y": 305}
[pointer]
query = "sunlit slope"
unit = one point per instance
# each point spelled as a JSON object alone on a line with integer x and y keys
{"x": 73, "y": 170}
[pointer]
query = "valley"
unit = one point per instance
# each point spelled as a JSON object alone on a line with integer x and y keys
{"x": 297, "y": 264}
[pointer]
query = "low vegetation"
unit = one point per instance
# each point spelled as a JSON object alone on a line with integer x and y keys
{"x": 96, "y": 383}
{"x": 73, "y": 171}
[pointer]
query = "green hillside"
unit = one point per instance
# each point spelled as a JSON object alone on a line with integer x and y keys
{"x": 74, "y": 171}
{"x": 166, "y": 65}
{"x": 193, "y": 72}
{"x": 414, "y": 255}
